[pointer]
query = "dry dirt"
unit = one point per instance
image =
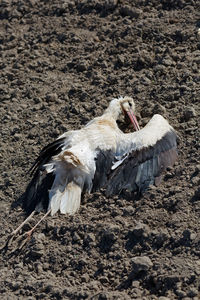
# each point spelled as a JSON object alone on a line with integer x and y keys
{"x": 61, "y": 62}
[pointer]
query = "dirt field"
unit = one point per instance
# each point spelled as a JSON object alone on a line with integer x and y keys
{"x": 61, "y": 62}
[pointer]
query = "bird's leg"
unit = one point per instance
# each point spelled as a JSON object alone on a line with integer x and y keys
{"x": 28, "y": 233}
{"x": 23, "y": 223}
{"x": 21, "y": 241}
{"x": 12, "y": 235}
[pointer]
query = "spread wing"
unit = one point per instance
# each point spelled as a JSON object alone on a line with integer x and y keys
{"x": 150, "y": 151}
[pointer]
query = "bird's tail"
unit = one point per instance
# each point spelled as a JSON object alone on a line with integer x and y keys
{"x": 68, "y": 200}
{"x": 57, "y": 185}
{"x": 70, "y": 175}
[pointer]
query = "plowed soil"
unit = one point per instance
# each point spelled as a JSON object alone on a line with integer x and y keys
{"x": 61, "y": 62}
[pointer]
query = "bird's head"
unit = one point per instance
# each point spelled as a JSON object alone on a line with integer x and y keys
{"x": 125, "y": 106}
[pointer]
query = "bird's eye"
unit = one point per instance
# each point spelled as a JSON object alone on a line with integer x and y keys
{"x": 130, "y": 104}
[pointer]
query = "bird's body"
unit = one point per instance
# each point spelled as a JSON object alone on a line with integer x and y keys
{"x": 100, "y": 155}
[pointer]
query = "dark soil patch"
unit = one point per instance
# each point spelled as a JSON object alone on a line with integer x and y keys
{"x": 61, "y": 62}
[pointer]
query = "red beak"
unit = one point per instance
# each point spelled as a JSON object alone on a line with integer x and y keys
{"x": 133, "y": 120}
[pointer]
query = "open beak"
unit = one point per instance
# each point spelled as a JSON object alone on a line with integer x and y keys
{"x": 133, "y": 120}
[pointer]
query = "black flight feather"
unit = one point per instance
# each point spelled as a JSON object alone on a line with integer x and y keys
{"x": 37, "y": 191}
{"x": 47, "y": 152}
{"x": 104, "y": 161}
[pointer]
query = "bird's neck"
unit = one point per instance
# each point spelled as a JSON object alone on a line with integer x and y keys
{"x": 113, "y": 112}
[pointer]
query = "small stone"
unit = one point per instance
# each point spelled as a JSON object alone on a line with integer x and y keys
{"x": 160, "y": 69}
{"x": 46, "y": 266}
{"x": 137, "y": 293}
{"x": 15, "y": 285}
{"x": 163, "y": 298}
{"x": 82, "y": 262}
{"x": 135, "y": 284}
{"x": 128, "y": 211}
{"x": 76, "y": 237}
{"x": 130, "y": 11}
{"x": 180, "y": 293}
{"x": 193, "y": 236}
{"x": 197, "y": 168}
{"x": 120, "y": 60}
{"x": 103, "y": 280}
{"x": 69, "y": 248}
{"x": 85, "y": 278}
{"x": 141, "y": 230}
{"x": 94, "y": 284}
{"x": 39, "y": 269}
{"x": 41, "y": 236}
{"x": 189, "y": 113}
{"x": 196, "y": 180}
{"x": 160, "y": 238}
{"x": 167, "y": 62}
{"x": 18, "y": 136}
{"x": 52, "y": 97}
{"x": 89, "y": 239}
{"x": 38, "y": 251}
{"x": 82, "y": 66}
{"x": 192, "y": 292}
{"x": 141, "y": 263}
{"x": 145, "y": 80}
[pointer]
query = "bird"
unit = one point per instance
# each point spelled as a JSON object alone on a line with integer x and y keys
{"x": 100, "y": 155}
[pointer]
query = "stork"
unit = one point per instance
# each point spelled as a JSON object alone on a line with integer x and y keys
{"x": 99, "y": 156}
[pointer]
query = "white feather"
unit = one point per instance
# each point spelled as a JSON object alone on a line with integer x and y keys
{"x": 148, "y": 136}
{"x": 71, "y": 199}
{"x": 55, "y": 198}
{"x": 118, "y": 163}
{"x": 57, "y": 189}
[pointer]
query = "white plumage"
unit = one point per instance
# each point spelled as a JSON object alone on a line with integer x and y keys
{"x": 100, "y": 155}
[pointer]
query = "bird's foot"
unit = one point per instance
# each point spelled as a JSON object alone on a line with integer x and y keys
{"x": 15, "y": 243}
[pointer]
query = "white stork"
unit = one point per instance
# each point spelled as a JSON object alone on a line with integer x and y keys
{"x": 98, "y": 156}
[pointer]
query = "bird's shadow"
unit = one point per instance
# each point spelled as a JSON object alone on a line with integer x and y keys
{"x": 17, "y": 241}
{"x": 130, "y": 196}
{"x": 18, "y": 202}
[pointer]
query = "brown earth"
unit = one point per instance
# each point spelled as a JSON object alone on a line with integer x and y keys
{"x": 61, "y": 62}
